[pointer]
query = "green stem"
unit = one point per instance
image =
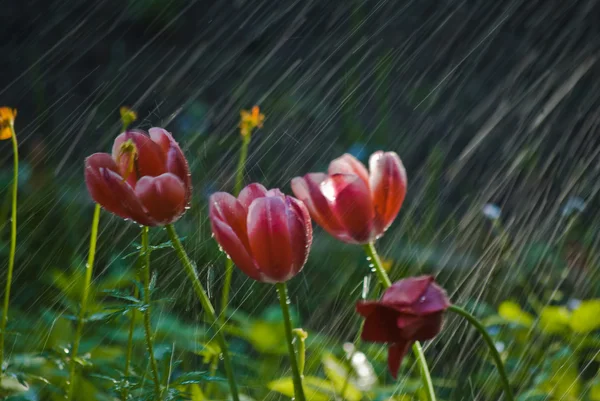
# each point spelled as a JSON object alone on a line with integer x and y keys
{"x": 145, "y": 273}
{"x": 89, "y": 268}
{"x": 287, "y": 321}
{"x": 492, "y": 347}
{"x": 13, "y": 245}
{"x": 239, "y": 183}
{"x": 417, "y": 350}
{"x": 206, "y": 305}
{"x": 129, "y": 348}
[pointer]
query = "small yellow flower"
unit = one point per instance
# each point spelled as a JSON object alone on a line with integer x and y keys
{"x": 7, "y": 122}
{"x": 250, "y": 120}
{"x": 127, "y": 116}
{"x": 387, "y": 264}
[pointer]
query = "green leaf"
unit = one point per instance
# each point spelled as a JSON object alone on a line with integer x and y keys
{"x": 512, "y": 312}
{"x": 586, "y": 318}
{"x": 554, "y": 319}
{"x": 315, "y": 388}
{"x": 194, "y": 378}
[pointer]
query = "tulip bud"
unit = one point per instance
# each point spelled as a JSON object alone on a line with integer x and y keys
{"x": 266, "y": 233}
{"x": 146, "y": 179}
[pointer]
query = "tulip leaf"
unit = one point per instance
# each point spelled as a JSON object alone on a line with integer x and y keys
{"x": 512, "y": 312}
{"x": 586, "y": 318}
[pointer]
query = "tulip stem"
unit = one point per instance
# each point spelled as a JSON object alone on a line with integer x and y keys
{"x": 129, "y": 349}
{"x": 145, "y": 273}
{"x": 287, "y": 321}
{"x": 13, "y": 245}
{"x": 239, "y": 183}
{"x": 492, "y": 347}
{"x": 89, "y": 268}
{"x": 385, "y": 281}
{"x": 206, "y": 305}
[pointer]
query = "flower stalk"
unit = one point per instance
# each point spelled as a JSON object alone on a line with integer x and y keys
{"x": 492, "y": 347}
{"x": 239, "y": 183}
{"x": 417, "y": 350}
{"x": 206, "y": 305}
{"x": 145, "y": 274}
{"x": 13, "y": 239}
{"x": 89, "y": 268}
{"x": 287, "y": 321}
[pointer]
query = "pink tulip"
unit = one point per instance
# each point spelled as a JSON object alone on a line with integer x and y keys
{"x": 265, "y": 233}
{"x": 350, "y": 203}
{"x": 146, "y": 179}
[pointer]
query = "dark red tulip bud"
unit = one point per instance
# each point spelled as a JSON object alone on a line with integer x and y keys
{"x": 410, "y": 310}
{"x": 350, "y": 203}
{"x": 266, "y": 233}
{"x": 146, "y": 179}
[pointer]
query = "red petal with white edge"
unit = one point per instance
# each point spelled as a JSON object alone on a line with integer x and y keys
{"x": 350, "y": 200}
{"x": 396, "y": 353}
{"x": 108, "y": 189}
{"x": 234, "y": 248}
{"x": 348, "y": 164}
{"x": 162, "y": 196}
{"x": 229, "y": 210}
{"x": 150, "y": 161}
{"x": 176, "y": 161}
{"x": 269, "y": 237}
{"x": 406, "y": 291}
{"x": 251, "y": 192}
{"x": 308, "y": 190}
{"x": 300, "y": 232}
{"x": 388, "y": 187}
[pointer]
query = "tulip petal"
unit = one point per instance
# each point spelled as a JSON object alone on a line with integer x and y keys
{"x": 307, "y": 189}
{"x": 175, "y": 159}
{"x": 108, "y": 189}
{"x": 406, "y": 291}
{"x": 300, "y": 227}
{"x": 251, "y": 192}
{"x": 388, "y": 187}
{"x": 234, "y": 248}
{"x": 150, "y": 159}
{"x": 350, "y": 200}
{"x": 396, "y": 353}
{"x": 380, "y": 323}
{"x": 348, "y": 164}
{"x": 162, "y": 196}
{"x": 229, "y": 210}
{"x": 428, "y": 328}
{"x": 433, "y": 300}
{"x": 269, "y": 237}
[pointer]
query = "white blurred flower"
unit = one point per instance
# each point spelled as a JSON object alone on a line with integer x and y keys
{"x": 491, "y": 211}
{"x": 365, "y": 376}
{"x": 573, "y": 303}
{"x": 574, "y": 204}
{"x": 500, "y": 347}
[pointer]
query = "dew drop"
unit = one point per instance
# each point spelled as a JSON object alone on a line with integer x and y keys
{"x": 368, "y": 258}
{"x": 422, "y": 299}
